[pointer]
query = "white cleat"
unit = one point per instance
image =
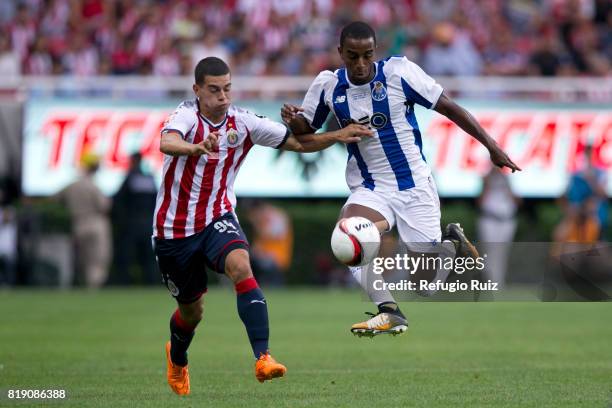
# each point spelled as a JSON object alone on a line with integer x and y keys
{"x": 381, "y": 323}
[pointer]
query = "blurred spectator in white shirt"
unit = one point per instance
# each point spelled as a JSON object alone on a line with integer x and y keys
{"x": 167, "y": 60}
{"x": 497, "y": 223}
{"x": 23, "y": 31}
{"x": 9, "y": 59}
{"x": 209, "y": 46}
{"x": 150, "y": 33}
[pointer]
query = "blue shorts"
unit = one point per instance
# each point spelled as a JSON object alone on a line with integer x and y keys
{"x": 183, "y": 261}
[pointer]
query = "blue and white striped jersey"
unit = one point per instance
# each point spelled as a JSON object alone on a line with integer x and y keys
{"x": 392, "y": 160}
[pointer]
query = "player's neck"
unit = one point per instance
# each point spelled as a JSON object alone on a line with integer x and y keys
{"x": 213, "y": 117}
{"x": 370, "y": 77}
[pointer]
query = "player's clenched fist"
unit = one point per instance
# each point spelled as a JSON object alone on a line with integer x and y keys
{"x": 353, "y": 133}
{"x": 289, "y": 112}
{"x": 206, "y": 146}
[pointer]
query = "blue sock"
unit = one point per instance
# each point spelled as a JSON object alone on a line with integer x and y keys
{"x": 253, "y": 312}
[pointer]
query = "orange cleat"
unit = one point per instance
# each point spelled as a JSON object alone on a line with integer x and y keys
{"x": 178, "y": 377}
{"x": 266, "y": 368}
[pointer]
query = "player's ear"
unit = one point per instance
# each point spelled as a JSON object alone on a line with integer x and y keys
{"x": 340, "y": 50}
{"x": 195, "y": 88}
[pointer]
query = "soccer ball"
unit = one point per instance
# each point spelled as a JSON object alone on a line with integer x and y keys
{"x": 355, "y": 241}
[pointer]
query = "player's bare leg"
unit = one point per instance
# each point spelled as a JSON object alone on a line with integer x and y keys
{"x": 389, "y": 319}
{"x": 253, "y": 311}
{"x": 182, "y": 329}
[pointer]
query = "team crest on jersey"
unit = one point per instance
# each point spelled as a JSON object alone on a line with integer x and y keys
{"x": 378, "y": 91}
{"x": 232, "y": 137}
{"x": 378, "y": 120}
{"x": 340, "y": 99}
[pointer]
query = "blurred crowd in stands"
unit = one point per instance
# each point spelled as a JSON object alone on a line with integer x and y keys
{"x": 292, "y": 37}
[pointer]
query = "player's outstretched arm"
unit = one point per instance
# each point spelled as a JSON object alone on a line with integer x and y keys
{"x": 447, "y": 107}
{"x": 308, "y": 143}
{"x": 173, "y": 144}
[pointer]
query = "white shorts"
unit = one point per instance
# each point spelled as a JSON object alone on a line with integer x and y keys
{"x": 415, "y": 211}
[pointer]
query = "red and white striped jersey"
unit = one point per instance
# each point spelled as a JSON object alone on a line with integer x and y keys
{"x": 195, "y": 190}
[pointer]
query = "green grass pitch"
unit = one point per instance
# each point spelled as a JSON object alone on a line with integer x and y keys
{"x": 106, "y": 350}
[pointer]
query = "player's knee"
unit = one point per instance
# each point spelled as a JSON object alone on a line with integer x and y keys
{"x": 238, "y": 266}
{"x": 239, "y": 272}
{"x": 357, "y": 210}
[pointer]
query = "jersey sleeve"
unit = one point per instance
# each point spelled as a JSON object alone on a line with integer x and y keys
{"x": 266, "y": 132}
{"x": 182, "y": 120}
{"x": 315, "y": 106}
{"x": 418, "y": 87}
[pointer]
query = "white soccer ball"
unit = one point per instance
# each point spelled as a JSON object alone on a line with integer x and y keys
{"x": 355, "y": 241}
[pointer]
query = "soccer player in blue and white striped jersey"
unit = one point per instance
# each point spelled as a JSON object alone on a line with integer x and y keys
{"x": 390, "y": 180}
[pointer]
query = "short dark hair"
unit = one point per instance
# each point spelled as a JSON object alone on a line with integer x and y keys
{"x": 357, "y": 30}
{"x": 210, "y": 66}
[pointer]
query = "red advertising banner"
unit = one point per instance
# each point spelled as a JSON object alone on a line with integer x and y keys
{"x": 547, "y": 143}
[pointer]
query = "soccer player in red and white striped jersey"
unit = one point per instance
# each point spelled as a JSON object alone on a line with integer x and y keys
{"x": 205, "y": 142}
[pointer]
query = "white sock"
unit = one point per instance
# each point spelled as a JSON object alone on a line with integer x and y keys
{"x": 363, "y": 275}
{"x": 446, "y": 249}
